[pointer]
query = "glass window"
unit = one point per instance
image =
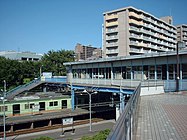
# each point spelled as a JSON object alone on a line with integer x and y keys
{"x": 145, "y": 73}
{"x": 171, "y": 71}
{"x": 128, "y": 72}
{"x": 124, "y": 73}
{"x": 31, "y": 105}
{"x": 117, "y": 72}
{"x": 50, "y": 103}
{"x": 26, "y": 106}
{"x": 151, "y": 72}
{"x": 184, "y": 71}
{"x": 55, "y": 103}
{"x": 2, "y": 108}
{"x": 159, "y": 72}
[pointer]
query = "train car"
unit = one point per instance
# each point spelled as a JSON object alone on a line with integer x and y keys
{"x": 35, "y": 104}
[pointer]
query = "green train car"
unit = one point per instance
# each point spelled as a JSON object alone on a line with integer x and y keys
{"x": 33, "y": 105}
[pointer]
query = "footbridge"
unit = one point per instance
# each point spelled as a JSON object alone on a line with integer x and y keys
{"x": 36, "y": 82}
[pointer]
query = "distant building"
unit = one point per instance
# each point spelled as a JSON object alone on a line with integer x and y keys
{"x": 131, "y": 31}
{"x": 21, "y": 56}
{"x": 182, "y": 33}
{"x": 87, "y": 52}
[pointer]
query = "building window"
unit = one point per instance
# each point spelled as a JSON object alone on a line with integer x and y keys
{"x": 31, "y": 106}
{"x": 2, "y": 108}
{"x": 55, "y": 103}
{"x": 50, "y": 103}
{"x": 171, "y": 71}
{"x": 151, "y": 72}
{"x": 159, "y": 72}
{"x": 137, "y": 72}
{"x": 184, "y": 71}
{"x": 27, "y": 106}
{"x": 117, "y": 73}
{"x": 128, "y": 72}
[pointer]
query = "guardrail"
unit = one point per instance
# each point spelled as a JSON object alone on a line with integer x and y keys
{"x": 126, "y": 125}
{"x": 109, "y": 82}
{"x": 22, "y": 86}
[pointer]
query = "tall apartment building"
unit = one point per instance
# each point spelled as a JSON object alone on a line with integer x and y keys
{"x": 130, "y": 31}
{"x": 87, "y": 52}
{"x": 182, "y": 33}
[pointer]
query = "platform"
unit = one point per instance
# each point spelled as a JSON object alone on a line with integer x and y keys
{"x": 163, "y": 117}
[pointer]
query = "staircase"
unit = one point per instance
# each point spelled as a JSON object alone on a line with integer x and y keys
{"x": 22, "y": 88}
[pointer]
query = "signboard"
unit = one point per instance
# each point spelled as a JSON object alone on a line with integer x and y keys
{"x": 67, "y": 121}
{"x": 47, "y": 74}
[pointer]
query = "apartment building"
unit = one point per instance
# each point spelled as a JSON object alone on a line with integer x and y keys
{"x": 182, "y": 33}
{"x": 87, "y": 52}
{"x": 130, "y": 31}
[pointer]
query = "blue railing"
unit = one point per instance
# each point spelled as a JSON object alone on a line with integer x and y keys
{"x": 126, "y": 125}
{"x": 61, "y": 79}
{"x": 56, "y": 79}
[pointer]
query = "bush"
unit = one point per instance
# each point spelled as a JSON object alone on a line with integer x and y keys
{"x": 102, "y": 135}
{"x": 43, "y": 138}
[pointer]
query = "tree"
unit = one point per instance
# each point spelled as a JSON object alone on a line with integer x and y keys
{"x": 53, "y": 61}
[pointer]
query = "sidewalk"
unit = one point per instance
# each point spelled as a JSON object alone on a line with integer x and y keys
{"x": 163, "y": 117}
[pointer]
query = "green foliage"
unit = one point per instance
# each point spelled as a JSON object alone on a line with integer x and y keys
{"x": 26, "y": 80}
{"x": 102, "y": 135}
{"x": 53, "y": 61}
{"x": 14, "y": 72}
{"x": 43, "y": 138}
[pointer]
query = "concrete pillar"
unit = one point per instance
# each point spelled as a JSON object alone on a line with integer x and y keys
{"x": 44, "y": 89}
{"x": 12, "y": 128}
{"x": 32, "y": 125}
{"x": 117, "y": 112}
{"x": 122, "y": 103}
{"x": 50, "y": 123}
{"x": 72, "y": 99}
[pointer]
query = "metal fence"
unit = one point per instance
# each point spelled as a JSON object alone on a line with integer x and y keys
{"x": 170, "y": 85}
{"x": 117, "y": 82}
{"x": 126, "y": 125}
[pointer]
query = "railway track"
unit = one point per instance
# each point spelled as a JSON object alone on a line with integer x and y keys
{"x": 44, "y": 128}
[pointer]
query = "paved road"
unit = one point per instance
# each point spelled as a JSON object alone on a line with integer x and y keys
{"x": 163, "y": 117}
{"x": 82, "y": 130}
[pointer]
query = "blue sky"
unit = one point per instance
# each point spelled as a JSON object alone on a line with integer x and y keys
{"x": 43, "y": 25}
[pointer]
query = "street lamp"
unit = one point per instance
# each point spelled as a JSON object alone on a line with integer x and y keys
{"x": 4, "y": 117}
{"x": 90, "y": 105}
{"x": 41, "y": 70}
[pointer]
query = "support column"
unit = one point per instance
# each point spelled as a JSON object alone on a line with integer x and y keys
{"x": 45, "y": 89}
{"x": 12, "y": 128}
{"x": 32, "y": 125}
{"x": 72, "y": 99}
{"x": 50, "y": 123}
{"x": 122, "y": 103}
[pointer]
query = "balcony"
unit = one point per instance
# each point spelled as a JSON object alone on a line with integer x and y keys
{"x": 134, "y": 28}
{"x": 113, "y": 16}
{"x": 142, "y": 44}
{"x": 113, "y": 30}
{"x": 133, "y": 43}
{"x": 112, "y": 37}
{"x": 134, "y": 50}
{"x": 109, "y": 24}
{"x": 134, "y": 14}
{"x": 112, "y": 44}
{"x": 112, "y": 51}
{"x": 134, "y": 21}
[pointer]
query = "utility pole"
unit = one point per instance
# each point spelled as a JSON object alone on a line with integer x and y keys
{"x": 4, "y": 117}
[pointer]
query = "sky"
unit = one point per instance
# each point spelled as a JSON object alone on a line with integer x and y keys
{"x": 43, "y": 25}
